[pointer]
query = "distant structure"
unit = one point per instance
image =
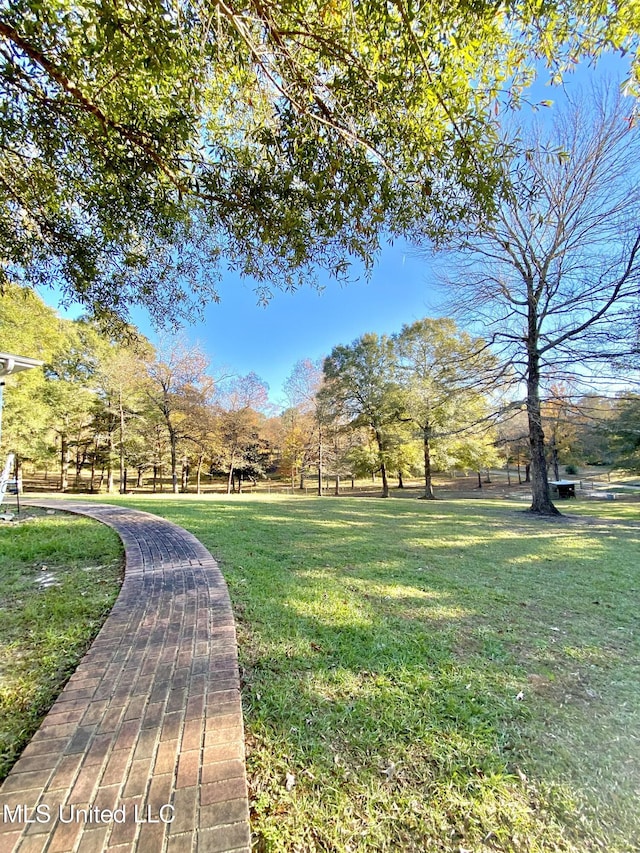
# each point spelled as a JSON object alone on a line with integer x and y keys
{"x": 13, "y": 364}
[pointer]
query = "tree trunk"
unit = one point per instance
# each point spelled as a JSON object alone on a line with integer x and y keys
{"x": 92, "y": 480}
{"x": 554, "y": 458}
{"x": 337, "y": 492}
{"x": 123, "y": 483}
{"x": 64, "y": 464}
{"x": 385, "y": 482}
{"x": 400, "y": 483}
{"x": 155, "y": 477}
{"x": 110, "y": 463}
{"x": 541, "y": 500}
{"x": 199, "y": 472}
{"x": 320, "y": 462}
{"x": 230, "y": 478}
{"x": 174, "y": 461}
{"x": 383, "y": 467}
{"x": 479, "y": 479}
{"x": 426, "y": 448}
{"x": 79, "y": 463}
{"x": 110, "y": 426}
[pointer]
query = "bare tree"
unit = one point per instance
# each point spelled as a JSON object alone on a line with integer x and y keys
{"x": 176, "y": 378}
{"x": 302, "y": 389}
{"x": 554, "y": 279}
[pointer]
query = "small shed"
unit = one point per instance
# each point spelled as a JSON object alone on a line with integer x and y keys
{"x": 563, "y": 488}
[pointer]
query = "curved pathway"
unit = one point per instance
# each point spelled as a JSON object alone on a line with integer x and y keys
{"x": 144, "y": 748}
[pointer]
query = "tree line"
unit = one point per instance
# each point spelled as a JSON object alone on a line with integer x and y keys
{"x": 105, "y": 414}
{"x": 146, "y": 149}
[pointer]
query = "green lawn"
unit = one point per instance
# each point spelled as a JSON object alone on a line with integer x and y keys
{"x": 442, "y": 676}
{"x": 59, "y": 577}
{"x": 417, "y": 676}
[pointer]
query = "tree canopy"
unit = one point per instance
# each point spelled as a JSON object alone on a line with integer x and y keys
{"x": 145, "y": 148}
{"x": 361, "y": 383}
{"x": 446, "y": 374}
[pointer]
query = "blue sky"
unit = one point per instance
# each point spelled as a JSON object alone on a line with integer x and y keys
{"x": 239, "y": 335}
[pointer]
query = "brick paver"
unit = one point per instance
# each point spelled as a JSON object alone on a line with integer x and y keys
{"x": 144, "y": 748}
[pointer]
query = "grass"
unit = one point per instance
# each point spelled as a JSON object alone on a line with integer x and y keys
{"x": 59, "y": 577}
{"x": 433, "y": 676}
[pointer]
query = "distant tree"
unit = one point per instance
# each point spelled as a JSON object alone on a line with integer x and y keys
{"x": 28, "y": 328}
{"x": 559, "y": 419}
{"x": 554, "y": 278}
{"x": 302, "y": 388}
{"x": 594, "y": 434}
{"x": 70, "y": 393}
{"x": 512, "y": 439}
{"x": 443, "y": 372}
{"x": 624, "y": 432}
{"x": 255, "y": 457}
{"x": 201, "y": 433}
{"x": 123, "y": 386}
{"x": 240, "y": 401}
{"x": 297, "y": 443}
{"x": 478, "y": 452}
{"x": 101, "y": 452}
{"x": 179, "y": 374}
{"x": 361, "y": 384}
{"x": 405, "y": 456}
{"x": 362, "y": 458}
{"x": 159, "y": 447}
{"x": 339, "y": 445}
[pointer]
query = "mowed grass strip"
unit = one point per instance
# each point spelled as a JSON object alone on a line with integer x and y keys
{"x": 433, "y": 676}
{"x": 59, "y": 577}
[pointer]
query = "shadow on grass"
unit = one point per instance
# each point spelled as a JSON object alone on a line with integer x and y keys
{"x": 426, "y": 676}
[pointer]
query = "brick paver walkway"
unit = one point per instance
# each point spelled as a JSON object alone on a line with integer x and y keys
{"x": 144, "y": 748}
